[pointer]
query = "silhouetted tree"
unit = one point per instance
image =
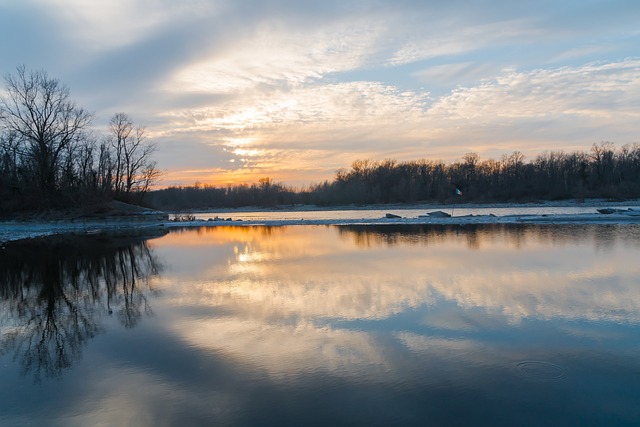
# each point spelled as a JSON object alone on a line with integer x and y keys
{"x": 133, "y": 169}
{"x": 38, "y": 111}
{"x": 49, "y": 158}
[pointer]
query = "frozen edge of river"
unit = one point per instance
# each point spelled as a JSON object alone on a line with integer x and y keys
{"x": 12, "y": 231}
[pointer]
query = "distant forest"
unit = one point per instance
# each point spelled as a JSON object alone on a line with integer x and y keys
{"x": 604, "y": 171}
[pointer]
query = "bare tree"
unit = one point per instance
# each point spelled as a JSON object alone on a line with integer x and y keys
{"x": 134, "y": 169}
{"x": 38, "y": 109}
{"x": 603, "y": 157}
{"x": 10, "y": 157}
{"x": 105, "y": 169}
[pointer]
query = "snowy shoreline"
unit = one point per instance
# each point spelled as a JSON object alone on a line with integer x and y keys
{"x": 591, "y": 203}
{"x": 19, "y": 230}
{"x": 632, "y": 217}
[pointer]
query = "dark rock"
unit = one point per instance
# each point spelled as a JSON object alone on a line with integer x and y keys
{"x": 438, "y": 214}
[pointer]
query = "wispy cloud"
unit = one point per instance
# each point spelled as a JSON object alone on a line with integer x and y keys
{"x": 276, "y": 56}
{"x": 435, "y": 43}
{"x": 594, "y": 91}
{"x": 456, "y": 74}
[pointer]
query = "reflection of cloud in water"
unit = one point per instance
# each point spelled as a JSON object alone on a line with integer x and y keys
{"x": 138, "y": 398}
{"x": 436, "y": 346}
{"x": 310, "y": 273}
{"x": 301, "y": 271}
{"x": 349, "y": 298}
{"x": 262, "y": 298}
{"x": 271, "y": 301}
{"x": 547, "y": 295}
{"x": 285, "y": 350}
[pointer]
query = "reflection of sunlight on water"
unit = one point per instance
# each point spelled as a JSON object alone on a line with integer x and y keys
{"x": 249, "y": 260}
{"x": 248, "y": 255}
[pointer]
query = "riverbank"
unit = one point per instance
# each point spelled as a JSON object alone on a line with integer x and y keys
{"x": 113, "y": 216}
{"x": 595, "y": 203}
{"x": 627, "y": 213}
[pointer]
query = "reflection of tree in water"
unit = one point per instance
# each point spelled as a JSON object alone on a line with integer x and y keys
{"x": 514, "y": 235}
{"x": 414, "y": 234}
{"x": 263, "y": 230}
{"x": 54, "y": 291}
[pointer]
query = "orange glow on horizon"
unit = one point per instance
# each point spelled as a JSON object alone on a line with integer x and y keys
{"x": 218, "y": 178}
{"x": 246, "y": 176}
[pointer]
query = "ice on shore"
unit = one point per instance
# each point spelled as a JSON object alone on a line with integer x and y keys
{"x": 11, "y": 231}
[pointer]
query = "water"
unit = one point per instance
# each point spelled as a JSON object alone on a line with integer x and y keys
{"x": 324, "y": 325}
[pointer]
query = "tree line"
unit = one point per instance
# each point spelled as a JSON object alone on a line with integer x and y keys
{"x": 603, "y": 171}
{"x": 50, "y": 157}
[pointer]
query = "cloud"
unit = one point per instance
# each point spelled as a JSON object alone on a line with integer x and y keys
{"x": 337, "y": 81}
{"x": 437, "y": 43}
{"x": 580, "y": 52}
{"x": 316, "y": 107}
{"x": 300, "y": 126}
{"x": 456, "y": 74}
{"x": 273, "y": 55}
{"x": 594, "y": 91}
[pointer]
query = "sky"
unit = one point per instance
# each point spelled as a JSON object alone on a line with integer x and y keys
{"x": 232, "y": 91}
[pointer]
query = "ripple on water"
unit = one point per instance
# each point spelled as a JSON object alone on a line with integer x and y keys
{"x": 540, "y": 369}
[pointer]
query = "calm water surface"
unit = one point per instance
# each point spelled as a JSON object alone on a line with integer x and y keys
{"x": 323, "y": 325}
